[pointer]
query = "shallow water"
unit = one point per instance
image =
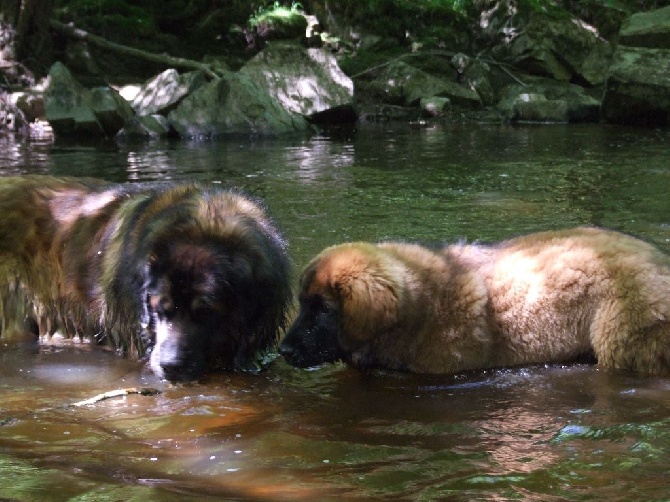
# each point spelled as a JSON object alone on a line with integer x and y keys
{"x": 539, "y": 433}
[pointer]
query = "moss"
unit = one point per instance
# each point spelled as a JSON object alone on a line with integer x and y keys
{"x": 278, "y": 15}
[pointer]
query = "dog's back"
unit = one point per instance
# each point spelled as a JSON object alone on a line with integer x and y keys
{"x": 558, "y": 294}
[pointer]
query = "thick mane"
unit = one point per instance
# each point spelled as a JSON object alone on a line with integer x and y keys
{"x": 76, "y": 256}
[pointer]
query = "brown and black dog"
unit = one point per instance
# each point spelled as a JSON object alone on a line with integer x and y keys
{"x": 545, "y": 297}
{"x": 199, "y": 269}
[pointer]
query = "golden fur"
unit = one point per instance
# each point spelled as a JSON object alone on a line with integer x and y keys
{"x": 545, "y": 297}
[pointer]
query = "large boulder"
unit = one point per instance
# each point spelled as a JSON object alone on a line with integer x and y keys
{"x": 67, "y": 104}
{"x": 304, "y": 81}
{"x": 638, "y": 88}
{"x": 144, "y": 127}
{"x": 563, "y": 49}
{"x": 402, "y": 84}
{"x": 71, "y": 109}
{"x": 234, "y": 105}
{"x": 547, "y": 101}
{"x": 647, "y": 29}
{"x": 111, "y": 110}
{"x": 476, "y": 75}
{"x": 537, "y": 108}
{"x": 163, "y": 92}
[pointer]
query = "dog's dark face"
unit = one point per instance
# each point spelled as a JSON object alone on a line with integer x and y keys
{"x": 202, "y": 311}
{"x": 314, "y": 336}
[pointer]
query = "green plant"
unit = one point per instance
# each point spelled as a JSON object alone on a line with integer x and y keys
{"x": 275, "y": 10}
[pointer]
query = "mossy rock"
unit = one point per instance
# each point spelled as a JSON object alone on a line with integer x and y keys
{"x": 279, "y": 23}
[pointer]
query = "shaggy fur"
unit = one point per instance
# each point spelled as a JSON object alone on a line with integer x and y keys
{"x": 201, "y": 271}
{"x": 544, "y": 297}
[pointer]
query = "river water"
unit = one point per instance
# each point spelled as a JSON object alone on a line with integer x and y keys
{"x": 555, "y": 432}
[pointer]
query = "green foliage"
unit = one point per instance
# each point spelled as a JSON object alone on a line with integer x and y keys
{"x": 105, "y": 16}
{"x": 275, "y": 11}
{"x": 397, "y": 18}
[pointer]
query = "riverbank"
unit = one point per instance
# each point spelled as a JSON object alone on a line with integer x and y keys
{"x": 303, "y": 70}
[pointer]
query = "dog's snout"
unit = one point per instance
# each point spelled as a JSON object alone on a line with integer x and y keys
{"x": 177, "y": 372}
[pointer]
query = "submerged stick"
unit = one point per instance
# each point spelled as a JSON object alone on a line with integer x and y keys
{"x": 144, "y": 391}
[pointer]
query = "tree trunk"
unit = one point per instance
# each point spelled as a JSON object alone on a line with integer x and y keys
{"x": 10, "y": 10}
{"x": 31, "y": 41}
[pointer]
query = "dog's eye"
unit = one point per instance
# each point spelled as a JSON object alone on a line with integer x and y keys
{"x": 201, "y": 304}
{"x": 319, "y": 304}
{"x": 326, "y": 307}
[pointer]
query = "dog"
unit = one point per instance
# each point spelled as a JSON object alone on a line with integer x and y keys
{"x": 197, "y": 274}
{"x": 546, "y": 297}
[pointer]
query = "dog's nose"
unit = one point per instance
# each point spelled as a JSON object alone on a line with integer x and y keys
{"x": 178, "y": 372}
{"x": 172, "y": 372}
{"x": 289, "y": 353}
{"x": 286, "y": 350}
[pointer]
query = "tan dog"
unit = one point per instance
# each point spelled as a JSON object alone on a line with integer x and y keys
{"x": 545, "y": 297}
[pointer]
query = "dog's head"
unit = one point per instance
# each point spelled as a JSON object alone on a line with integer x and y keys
{"x": 215, "y": 280}
{"x": 210, "y": 309}
{"x": 348, "y": 296}
{"x": 188, "y": 301}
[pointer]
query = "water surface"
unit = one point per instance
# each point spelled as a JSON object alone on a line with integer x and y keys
{"x": 556, "y": 432}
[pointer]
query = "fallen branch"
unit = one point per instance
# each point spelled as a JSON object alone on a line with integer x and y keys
{"x": 504, "y": 67}
{"x": 165, "y": 59}
{"x": 145, "y": 391}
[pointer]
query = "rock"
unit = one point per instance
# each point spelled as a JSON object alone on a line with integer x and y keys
{"x": 11, "y": 118}
{"x": 638, "y": 88}
{"x": 647, "y": 29}
{"x": 402, "y": 84}
{"x": 304, "y": 81}
{"x": 163, "y": 92}
{"x": 537, "y": 108}
{"x": 234, "y": 105}
{"x": 563, "y": 49}
{"x": 145, "y": 127}
{"x": 111, "y": 110}
{"x": 129, "y": 92}
{"x": 376, "y": 113}
{"x": 606, "y": 17}
{"x": 30, "y": 103}
{"x": 68, "y": 104}
{"x": 546, "y": 101}
{"x": 434, "y": 106}
{"x": 475, "y": 75}
{"x": 71, "y": 109}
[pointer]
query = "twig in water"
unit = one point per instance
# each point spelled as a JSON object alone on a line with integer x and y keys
{"x": 144, "y": 391}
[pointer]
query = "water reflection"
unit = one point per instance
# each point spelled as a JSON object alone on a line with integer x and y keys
{"x": 319, "y": 159}
{"x": 18, "y": 156}
{"x": 150, "y": 165}
{"x": 540, "y": 433}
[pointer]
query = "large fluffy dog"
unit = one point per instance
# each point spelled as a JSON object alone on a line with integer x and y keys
{"x": 201, "y": 270}
{"x": 544, "y": 297}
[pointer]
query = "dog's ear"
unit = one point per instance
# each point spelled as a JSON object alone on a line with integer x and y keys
{"x": 369, "y": 306}
{"x": 367, "y": 290}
